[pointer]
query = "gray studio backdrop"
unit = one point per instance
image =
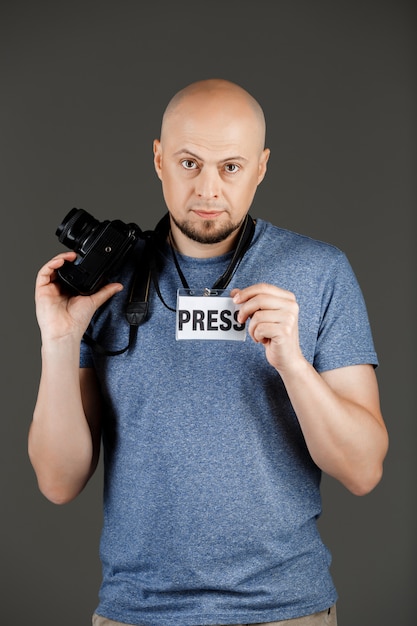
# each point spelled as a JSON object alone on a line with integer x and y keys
{"x": 83, "y": 87}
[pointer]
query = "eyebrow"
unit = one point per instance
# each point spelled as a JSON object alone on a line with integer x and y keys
{"x": 185, "y": 152}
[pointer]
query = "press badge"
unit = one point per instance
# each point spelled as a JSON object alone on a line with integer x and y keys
{"x": 208, "y": 314}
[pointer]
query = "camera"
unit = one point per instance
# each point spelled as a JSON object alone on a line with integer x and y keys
{"x": 100, "y": 246}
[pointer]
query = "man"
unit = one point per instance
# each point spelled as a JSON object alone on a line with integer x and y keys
{"x": 213, "y": 450}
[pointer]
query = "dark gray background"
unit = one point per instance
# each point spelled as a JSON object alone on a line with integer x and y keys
{"x": 83, "y": 87}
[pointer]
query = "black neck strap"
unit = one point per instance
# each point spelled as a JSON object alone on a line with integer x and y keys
{"x": 147, "y": 273}
{"x": 246, "y": 233}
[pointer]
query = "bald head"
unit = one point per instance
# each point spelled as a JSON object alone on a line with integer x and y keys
{"x": 210, "y": 159}
{"x": 217, "y": 99}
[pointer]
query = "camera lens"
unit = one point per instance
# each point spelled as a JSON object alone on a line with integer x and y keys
{"x": 76, "y": 228}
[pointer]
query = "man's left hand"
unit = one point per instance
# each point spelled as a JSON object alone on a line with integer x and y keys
{"x": 273, "y": 315}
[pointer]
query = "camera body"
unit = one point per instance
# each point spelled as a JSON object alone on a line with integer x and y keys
{"x": 100, "y": 246}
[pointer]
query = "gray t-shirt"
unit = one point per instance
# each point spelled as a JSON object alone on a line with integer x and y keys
{"x": 211, "y": 497}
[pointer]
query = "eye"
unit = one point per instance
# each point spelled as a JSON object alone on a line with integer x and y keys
{"x": 189, "y": 164}
{"x": 231, "y": 168}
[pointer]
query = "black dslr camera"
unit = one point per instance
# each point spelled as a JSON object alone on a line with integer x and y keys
{"x": 101, "y": 248}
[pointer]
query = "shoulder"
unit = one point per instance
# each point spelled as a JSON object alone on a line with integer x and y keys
{"x": 271, "y": 235}
{"x": 295, "y": 249}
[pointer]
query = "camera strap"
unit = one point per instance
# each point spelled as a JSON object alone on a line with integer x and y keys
{"x": 147, "y": 274}
{"x": 245, "y": 237}
{"x": 138, "y": 304}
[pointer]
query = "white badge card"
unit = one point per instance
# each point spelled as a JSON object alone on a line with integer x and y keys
{"x": 208, "y": 314}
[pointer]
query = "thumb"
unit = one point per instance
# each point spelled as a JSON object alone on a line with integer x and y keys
{"x": 105, "y": 293}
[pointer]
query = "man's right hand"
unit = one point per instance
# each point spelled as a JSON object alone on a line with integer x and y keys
{"x": 59, "y": 314}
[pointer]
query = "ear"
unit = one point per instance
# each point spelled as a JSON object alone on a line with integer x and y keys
{"x": 263, "y": 160}
{"x": 157, "y": 157}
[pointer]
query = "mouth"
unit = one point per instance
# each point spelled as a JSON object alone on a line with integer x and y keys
{"x": 208, "y": 215}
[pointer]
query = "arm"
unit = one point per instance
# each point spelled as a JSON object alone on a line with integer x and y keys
{"x": 64, "y": 437}
{"x": 338, "y": 410}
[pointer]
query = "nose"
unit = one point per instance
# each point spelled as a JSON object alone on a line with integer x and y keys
{"x": 207, "y": 185}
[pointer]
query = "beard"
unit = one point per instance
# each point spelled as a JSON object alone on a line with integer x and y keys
{"x": 207, "y": 231}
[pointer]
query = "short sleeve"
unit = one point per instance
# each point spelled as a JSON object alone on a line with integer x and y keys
{"x": 345, "y": 336}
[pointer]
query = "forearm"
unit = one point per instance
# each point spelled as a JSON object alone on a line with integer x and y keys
{"x": 60, "y": 441}
{"x": 346, "y": 439}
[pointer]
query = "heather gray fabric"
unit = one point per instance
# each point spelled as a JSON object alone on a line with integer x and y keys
{"x": 211, "y": 497}
{"x": 323, "y": 618}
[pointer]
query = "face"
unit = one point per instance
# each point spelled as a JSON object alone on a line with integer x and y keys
{"x": 210, "y": 160}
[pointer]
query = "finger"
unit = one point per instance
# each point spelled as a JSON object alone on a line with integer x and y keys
{"x": 105, "y": 293}
{"x": 49, "y": 269}
{"x": 267, "y": 303}
{"x": 59, "y": 259}
{"x": 275, "y": 318}
{"x": 264, "y": 333}
{"x": 267, "y": 328}
{"x": 243, "y": 295}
